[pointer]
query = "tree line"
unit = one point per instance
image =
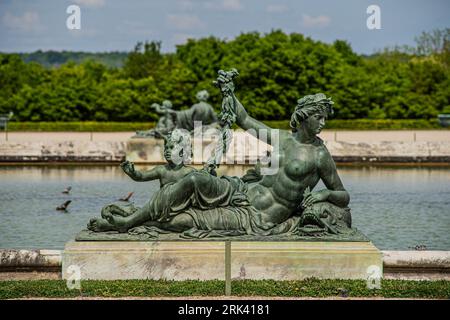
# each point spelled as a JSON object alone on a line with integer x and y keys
{"x": 275, "y": 70}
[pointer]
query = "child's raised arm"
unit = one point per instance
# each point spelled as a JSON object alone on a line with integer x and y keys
{"x": 136, "y": 175}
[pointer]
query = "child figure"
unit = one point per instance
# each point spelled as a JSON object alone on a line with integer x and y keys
{"x": 177, "y": 151}
{"x": 165, "y": 124}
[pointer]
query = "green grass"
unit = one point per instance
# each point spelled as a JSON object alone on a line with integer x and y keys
{"x": 269, "y": 288}
{"x": 92, "y": 126}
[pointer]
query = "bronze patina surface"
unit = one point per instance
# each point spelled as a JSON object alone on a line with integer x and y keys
{"x": 197, "y": 204}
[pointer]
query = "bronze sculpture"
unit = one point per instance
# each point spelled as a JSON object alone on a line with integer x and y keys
{"x": 202, "y": 112}
{"x": 165, "y": 123}
{"x": 170, "y": 119}
{"x": 197, "y": 204}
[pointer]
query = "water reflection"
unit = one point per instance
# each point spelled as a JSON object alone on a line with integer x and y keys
{"x": 397, "y": 207}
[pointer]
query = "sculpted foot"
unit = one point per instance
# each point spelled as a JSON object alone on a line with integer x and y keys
{"x": 120, "y": 223}
{"x": 99, "y": 225}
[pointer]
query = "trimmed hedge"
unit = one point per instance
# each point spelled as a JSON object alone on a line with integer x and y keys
{"x": 93, "y": 126}
{"x": 80, "y": 126}
{"x": 385, "y": 124}
{"x": 367, "y": 124}
{"x": 270, "y": 288}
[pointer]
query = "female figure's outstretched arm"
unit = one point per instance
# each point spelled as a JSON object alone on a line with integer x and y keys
{"x": 255, "y": 127}
{"x": 243, "y": 120}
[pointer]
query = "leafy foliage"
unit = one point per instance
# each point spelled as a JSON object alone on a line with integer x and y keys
{"x": 107, "y": 126}
{"x": 276, "y": 69}
{"x": 56, "y": 58}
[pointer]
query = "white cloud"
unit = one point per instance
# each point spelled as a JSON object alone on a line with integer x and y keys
{"x": 90, "y": 3}
{"x": 225, "y": 5}
{"x": 134, "y": 28}
{"x": 233, "y": 5}
{"x": 276, "y": 8}
{"x": 184, "y": 21}
{"x": 84, "y": 33}
{"x": 29, "y": 21}
{"x": 181, "y": 38}
{"x": 315, "y": 22}
{"x": 185, "y": 4}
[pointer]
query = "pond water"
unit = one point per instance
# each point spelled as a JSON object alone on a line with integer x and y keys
{"x": 396, "y": 207}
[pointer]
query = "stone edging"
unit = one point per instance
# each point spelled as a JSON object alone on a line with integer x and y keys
{"x": 113, "y": 152}
{"x": 394, "y": 262}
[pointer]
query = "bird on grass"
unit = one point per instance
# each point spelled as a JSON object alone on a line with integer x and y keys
{"x": 127, "y": 198}
{"x": 63, "y": 207}
{"x": 67, "y": 190}
{"x": 343, "y": 292}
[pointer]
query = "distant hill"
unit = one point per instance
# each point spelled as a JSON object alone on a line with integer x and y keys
{"x": 56, "y": 58}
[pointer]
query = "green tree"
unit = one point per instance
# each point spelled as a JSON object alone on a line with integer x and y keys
{"x": 144, "y": 60}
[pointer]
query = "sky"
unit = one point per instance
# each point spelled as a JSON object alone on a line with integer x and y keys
{"x": 117, "y": 25}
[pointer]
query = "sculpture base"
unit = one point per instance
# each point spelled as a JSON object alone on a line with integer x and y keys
{"x": 87, "y": 235}
{"x": 205, "y": 260}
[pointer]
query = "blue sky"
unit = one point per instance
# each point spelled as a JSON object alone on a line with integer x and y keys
{"x": 106, "y": 25}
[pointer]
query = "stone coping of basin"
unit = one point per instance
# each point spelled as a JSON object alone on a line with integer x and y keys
{"x": 391, "y": 258}
{"x": 407, "y": 265}
{"x": 417, "y": 259}
{"x": 113, "y": 152}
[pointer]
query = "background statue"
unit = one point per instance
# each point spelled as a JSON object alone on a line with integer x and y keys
{"x": 201, "y": 111}
{"x": 165, "y": 123}
{"x": 183, "y": 119}
{"x": 199, "y": 204}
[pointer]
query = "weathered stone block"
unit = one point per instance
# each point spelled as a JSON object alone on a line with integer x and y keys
{"x": 300, "y": 260}
{"x": 205, "y": 260}
{"x": 145, "y": 260}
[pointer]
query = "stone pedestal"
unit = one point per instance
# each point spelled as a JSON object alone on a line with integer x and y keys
{"x": 300, "y": 260}
{"x": 205, "y": 260}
